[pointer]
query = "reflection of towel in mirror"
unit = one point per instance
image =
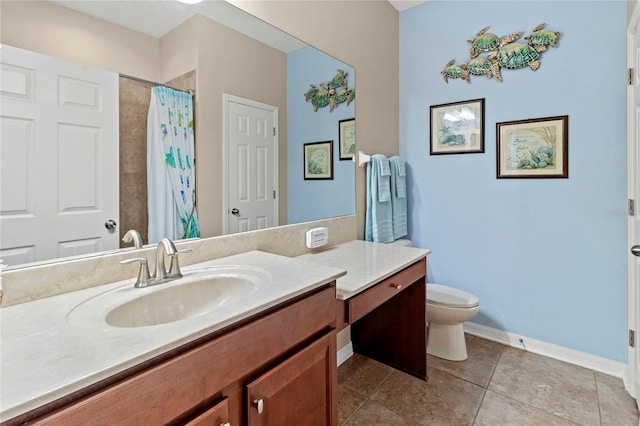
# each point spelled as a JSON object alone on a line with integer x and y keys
{"x": 398, "y": 197}
{"x": 378, "y": 220}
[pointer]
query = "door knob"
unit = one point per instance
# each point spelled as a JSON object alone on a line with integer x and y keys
{"x": 110, "y": 224}
{"x": 635, "y": 250}
{"x": 235, "y": 211}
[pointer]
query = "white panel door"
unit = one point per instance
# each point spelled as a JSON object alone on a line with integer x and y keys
{"x": 59, "y": 157}
{"x": 251, "y": 166}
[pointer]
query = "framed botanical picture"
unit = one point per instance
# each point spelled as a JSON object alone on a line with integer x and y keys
{"x": 535, "y": 148}
{"x": 318, "y": 160}
{"x": 347, "y": 133}
{"x": 457, "y": 128}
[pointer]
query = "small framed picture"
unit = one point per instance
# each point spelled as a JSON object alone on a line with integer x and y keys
{"x": 457, "y": 128}
{"x": 318, "y": 160}
{"x": 347, "y": 140}
{"x": 535, "y": 148}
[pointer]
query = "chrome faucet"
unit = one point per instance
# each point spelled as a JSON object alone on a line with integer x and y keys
{"x": 160, "y": 275}
{"x": 165, "y": 245}
{"x": 133, "y": 236}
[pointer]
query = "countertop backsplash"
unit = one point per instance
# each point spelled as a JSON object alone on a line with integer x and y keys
{"x": 32, "y": 283}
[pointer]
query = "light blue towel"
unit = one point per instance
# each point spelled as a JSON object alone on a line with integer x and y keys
{"x": 378, "y": 220}
{"x": 400, "y": 173}
{"x": 398, "y": 197}
{"x": 384, "y": 175}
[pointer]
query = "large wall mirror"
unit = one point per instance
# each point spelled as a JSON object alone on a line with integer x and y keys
{"x": 219, "y": 51}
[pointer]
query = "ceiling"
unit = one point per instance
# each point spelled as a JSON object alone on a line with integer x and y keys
{"x": 405, "y": 4}
{"x": 157, "y": 17}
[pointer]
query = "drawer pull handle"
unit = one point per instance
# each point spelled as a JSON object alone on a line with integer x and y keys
{"x": 396, "y": 286}
{"x": 259, "y": 404}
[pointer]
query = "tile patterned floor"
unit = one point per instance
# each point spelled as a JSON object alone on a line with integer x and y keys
{"x": 496, "y": 385}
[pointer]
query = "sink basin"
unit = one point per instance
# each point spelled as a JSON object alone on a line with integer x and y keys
{"x": 180, "y": 301}
{"x": 198, "y": 292}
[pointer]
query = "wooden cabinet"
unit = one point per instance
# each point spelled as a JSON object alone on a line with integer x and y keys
{"x": 389, "y": 323}
{"x": 297, "y": 391}
{"x": 285, "y": 356}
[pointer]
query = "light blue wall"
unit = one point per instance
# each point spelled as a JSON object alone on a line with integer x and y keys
{"x": 546, "y": 257}
{"x": 316, "y": 199}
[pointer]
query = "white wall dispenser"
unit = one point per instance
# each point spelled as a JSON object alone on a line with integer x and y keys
{"x": 317, "y": 237}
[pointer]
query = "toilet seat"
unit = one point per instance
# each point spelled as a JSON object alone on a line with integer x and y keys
{"x": 448, "y": 296}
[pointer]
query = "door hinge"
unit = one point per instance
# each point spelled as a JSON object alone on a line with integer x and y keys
{"x": 631, "y": 207}
{"x": 632, "y": 338}
{"x": 630, "y": 72}
{"x": 274, "y": 131}
{"x": 274, "y": 194}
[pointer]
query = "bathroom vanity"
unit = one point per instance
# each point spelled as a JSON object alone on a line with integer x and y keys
{"x": 272, "y": 354}
{"x": 383, "y": 299}
{"x": 283, "y": 361}
{"x": 270, "y": 359}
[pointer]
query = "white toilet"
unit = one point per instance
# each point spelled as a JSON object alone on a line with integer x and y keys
{"x": 447, "y": 309}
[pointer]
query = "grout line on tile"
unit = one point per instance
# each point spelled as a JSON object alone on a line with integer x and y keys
{"x": 464, "y": 380}
{"x": 539, "y": 408}
{"x": 495, "y": 367}
{"x": 368, "y": 396}
{"x": 381, "y": 383}
{"x": 595, "y": 381}
{"x": 475, "y": 416}
{"x": 353, "y": 413}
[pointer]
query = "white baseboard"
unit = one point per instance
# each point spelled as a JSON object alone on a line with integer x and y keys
{"x": 602, "y": 365}
{"x": 345, "y": 352}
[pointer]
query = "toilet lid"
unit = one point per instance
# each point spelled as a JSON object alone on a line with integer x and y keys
{"x": 449, "y": 296}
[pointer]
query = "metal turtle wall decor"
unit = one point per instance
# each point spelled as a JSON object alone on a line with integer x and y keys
{"x": 331, "y": 93}
{"x": 489, "y": 54}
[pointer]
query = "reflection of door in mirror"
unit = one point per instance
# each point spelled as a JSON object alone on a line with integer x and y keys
{"x": 59, "y": 158}
{"x": 251, "y": 144}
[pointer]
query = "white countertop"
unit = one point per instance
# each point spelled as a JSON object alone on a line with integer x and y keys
{"x": 44, "y": 356}
{"x": 366, "y": 263}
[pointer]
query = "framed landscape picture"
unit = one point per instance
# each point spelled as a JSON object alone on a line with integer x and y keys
{"x": 534, "y": 148}
{"x": 347, "y": 140}
{"x": 457, "y": 128}
{"x": 318, "y": 160}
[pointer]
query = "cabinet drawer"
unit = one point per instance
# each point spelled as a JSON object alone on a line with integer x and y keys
{"x": 363, "y": 303}
{"x": 218, "y": 415}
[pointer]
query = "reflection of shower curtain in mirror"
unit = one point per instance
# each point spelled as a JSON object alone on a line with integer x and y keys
{"x": 170, "y": 168}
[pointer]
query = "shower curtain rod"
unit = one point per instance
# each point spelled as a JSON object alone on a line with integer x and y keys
{"x": 155, "y": 83}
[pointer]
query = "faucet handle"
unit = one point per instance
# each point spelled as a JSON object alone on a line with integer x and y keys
{"x": 174, "y": 267}
{"x": 143, "y": 273}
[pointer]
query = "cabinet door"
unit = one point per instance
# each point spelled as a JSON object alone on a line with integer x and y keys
{"x": 218, "y": 415}
{"x": 299, "y": 391}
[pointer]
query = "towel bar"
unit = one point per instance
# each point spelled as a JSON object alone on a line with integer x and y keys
{"x": 363, "y": 159}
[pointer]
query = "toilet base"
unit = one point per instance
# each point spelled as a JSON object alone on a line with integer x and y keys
{"x": 447, "y": 341}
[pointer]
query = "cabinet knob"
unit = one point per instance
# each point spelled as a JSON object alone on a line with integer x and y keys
{"x": 225, "y": 424}
{"x": 396, "y": 286}
{"x": 259, "y": 404}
